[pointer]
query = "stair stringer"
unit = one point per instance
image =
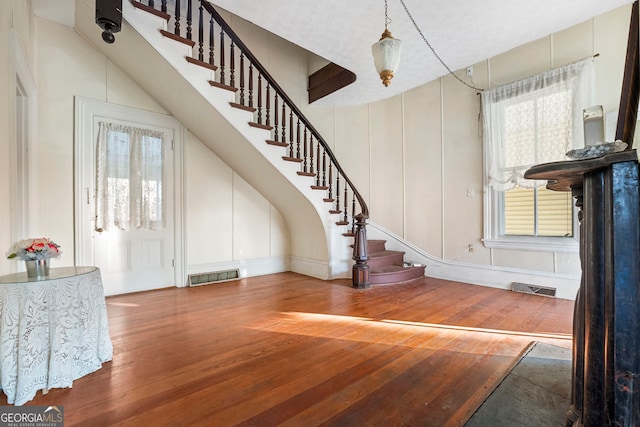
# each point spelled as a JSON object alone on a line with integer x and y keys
{"x": 477, "y": 274}
{"x": 318, "y": 247}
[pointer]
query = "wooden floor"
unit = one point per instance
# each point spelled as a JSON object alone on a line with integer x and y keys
{"x": 290, "y": 350}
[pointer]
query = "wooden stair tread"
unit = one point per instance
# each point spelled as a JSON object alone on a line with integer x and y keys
{"x": 384, "y": 253}
{"x": 200, "y": 63}
{"x": 149, "y": 9}
{"x": 178, "y": 38}
{"x": 395, "y": 274}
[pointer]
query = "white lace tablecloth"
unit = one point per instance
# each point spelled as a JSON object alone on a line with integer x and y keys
{"x": 52, "y": 331}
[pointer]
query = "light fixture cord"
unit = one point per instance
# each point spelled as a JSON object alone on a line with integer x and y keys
{"x": 431, "y": 47}
{"x": 387, "y": 20}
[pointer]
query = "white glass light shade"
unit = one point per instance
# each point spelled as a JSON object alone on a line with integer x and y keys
{"x": 386, "y": 56}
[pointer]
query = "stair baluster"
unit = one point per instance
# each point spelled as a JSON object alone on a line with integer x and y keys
{"x": 275, "y": 117}
{"x": 211, "y": 39}
{"x": 177, "y": 19}
{"x": 200, "y": 33}
{"x": 232, "y": 64}
{"x": 304, "y": 151}
{"x": 311, "y": 170}
{"x": 268, "y": 99}
{"x": 330, "y": 191}
{"x": 250, "y": 85}
{"x": 259, "y": 99}
{"x": 241, "y": 78}
{"x": 345, "y": 221}
{"x": 189, "y": 22}
{"x": 291, "y": 134}
{"x": 284, "y": 123}
{"x": 221, "y": 68}
{"x": 298, "y": 139}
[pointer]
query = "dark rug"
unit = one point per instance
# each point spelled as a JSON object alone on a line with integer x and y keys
{"x": 537, "y": 391}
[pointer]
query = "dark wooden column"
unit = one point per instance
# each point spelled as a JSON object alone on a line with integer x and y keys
{"x": 606, "y": 363}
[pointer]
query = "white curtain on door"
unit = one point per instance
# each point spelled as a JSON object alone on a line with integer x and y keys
{"x": 129, "y": 177}
{"x": 534, "y": 120}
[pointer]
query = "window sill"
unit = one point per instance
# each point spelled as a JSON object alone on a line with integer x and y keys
{"x": 540, "y": 244}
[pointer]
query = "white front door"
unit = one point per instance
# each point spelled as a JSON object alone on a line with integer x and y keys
{"x": 133, "y": 255}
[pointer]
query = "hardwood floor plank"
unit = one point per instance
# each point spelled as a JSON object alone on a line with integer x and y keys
{"x": 286, "y": 349}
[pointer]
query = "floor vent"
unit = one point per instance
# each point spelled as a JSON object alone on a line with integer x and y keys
{"x": 213, "y": 277}
{"x": 533, "y": 289}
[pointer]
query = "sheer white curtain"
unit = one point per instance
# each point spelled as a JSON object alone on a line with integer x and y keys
{"x": 534, "y": 120}
{"x": 129, "y": 177}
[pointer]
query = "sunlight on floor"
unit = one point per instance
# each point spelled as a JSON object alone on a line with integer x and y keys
{"x": 391, "y": 332}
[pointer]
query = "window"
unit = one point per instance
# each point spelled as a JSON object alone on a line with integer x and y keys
{"x": 531, "y": 121}
{"x": 130, "y": 171}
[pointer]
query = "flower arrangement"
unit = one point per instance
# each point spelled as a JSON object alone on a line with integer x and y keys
{"x": 32, "y": 249}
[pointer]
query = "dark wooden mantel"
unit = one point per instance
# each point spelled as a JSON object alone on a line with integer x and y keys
{"x": 606, "y": 330}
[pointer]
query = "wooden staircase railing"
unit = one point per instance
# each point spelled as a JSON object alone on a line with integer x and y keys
{"x": 217, "y": 47}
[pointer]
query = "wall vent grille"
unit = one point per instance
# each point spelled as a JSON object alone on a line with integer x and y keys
{"x": 533, "y": 289}
{"x": 200, "y": 279}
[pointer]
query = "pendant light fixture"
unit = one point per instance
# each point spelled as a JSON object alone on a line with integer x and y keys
{"x": 386, "y": 52}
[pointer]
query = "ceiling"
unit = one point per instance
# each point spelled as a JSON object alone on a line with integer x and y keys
{"x": 462, "y": 32}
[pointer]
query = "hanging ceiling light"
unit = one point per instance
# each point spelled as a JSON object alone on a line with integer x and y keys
{"x": 386, "y": 52}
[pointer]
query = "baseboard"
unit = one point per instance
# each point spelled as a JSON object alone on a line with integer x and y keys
{"x": 309, "y": 267}
{"x": 484, "y": 275}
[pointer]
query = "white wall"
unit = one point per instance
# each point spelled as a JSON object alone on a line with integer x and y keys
{"x": 226, "y": 219}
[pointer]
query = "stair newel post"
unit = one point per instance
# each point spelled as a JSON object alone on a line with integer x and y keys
{"x": 222, "y": 79}
{"x": 241, "y": 78}
{"x": 259, "y": 98}
{"x": 268, "y": 100}
{"x": 189, "y": 20}
{"x": 200, "y": 32}
{"x": 177, "y": 19}
{"x": 163, "y": 6}
{"x": 360, "y": 271}
{"x": 232, "y": 64}
{"x": 211, "y": 39}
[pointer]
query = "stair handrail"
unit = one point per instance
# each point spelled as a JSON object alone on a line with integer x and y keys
{"x": 247, "y": 52}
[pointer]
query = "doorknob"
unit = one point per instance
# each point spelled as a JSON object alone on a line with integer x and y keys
{"x": 99, "y": 229}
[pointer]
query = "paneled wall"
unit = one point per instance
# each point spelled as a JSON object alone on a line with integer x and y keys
{"x": 418, "y": 156}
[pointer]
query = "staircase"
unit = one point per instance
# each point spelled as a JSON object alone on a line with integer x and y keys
{"x": 247, "y": 87}
{"x": 388, "y": 267}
